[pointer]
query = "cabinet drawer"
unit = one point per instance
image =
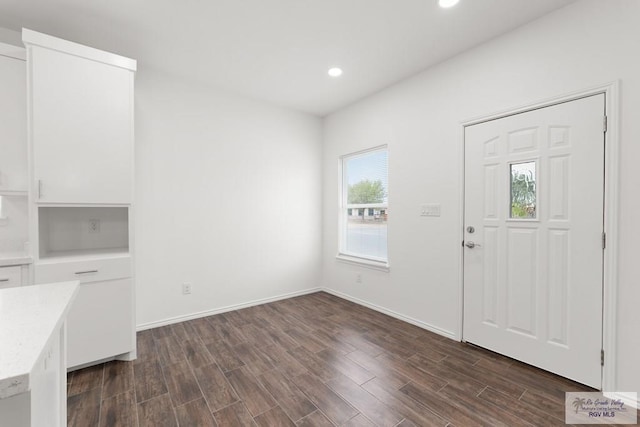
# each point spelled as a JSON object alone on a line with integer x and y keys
{"x": 10, "y": 276}
{"x": 85, "y": 271}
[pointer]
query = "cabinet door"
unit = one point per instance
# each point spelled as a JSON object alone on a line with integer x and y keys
{"x": 100, "y": 322}
{"x": 13, "y": 124}
{"x": 82, "y": 128}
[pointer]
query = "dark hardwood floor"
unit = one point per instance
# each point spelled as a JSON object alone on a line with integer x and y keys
{"x": 315, "y": 360}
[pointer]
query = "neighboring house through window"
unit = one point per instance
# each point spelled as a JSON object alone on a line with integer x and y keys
{"x": 364, "y": 207}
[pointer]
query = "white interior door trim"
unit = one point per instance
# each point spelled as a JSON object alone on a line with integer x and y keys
{"x": 11, "y": 51}
{"x": 611, "y": 213}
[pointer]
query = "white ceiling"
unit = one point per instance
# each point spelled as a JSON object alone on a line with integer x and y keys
{"x": 279, "y": 50}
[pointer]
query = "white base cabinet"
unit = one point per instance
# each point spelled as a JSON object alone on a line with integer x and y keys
{"x": 100, "y": 324}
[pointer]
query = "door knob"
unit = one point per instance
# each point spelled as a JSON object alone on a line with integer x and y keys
{"x": 472, "y": 245}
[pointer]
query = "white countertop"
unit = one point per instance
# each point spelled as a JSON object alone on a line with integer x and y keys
{"x": 29, "y": 315}
{"x": 6, "y": 260}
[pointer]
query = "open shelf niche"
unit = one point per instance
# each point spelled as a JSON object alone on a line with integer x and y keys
{"x": 71, "y": 231}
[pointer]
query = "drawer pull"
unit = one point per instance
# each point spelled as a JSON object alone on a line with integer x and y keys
{"x": 86, "y": 272}
{"x": 4, "y": 280}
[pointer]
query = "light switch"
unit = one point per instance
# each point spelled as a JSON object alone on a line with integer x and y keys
{"x": 430, "y": 209}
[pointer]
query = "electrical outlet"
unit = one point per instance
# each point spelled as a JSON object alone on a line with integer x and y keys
{"x": 94, "y": 226}
{"x": 186, "y": 288}
{"x": 359, "y": 278}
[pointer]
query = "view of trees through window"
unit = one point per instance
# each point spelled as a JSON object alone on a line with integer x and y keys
{"x": 523, "y": 190}
{"x": 366, "y": 191}
{"x": 365, "y": 205}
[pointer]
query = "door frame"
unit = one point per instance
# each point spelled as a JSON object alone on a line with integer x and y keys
{"x": 611, "y": 212}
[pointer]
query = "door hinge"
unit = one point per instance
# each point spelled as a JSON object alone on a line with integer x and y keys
{"x": 604, "y": 240}
{"x": 602, "y": 357}
{"x": 604, "y": 124}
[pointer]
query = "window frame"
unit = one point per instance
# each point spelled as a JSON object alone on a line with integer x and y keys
{"x": 344, "y": 207}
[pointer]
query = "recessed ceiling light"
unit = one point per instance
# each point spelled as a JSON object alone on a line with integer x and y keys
{"x": 447, "y": 3}
{"x": 335, "y": 72}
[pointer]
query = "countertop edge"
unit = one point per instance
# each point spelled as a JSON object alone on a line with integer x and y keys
{"x": 15, "y": 385}
{"x": 10, "y": 261}
{"x": 20, "y": 383}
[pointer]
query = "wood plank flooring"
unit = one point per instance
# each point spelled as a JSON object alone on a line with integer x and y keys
{"x": 315, "y": 360}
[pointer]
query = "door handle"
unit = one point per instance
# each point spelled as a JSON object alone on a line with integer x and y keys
{"x": 472, "y": 245}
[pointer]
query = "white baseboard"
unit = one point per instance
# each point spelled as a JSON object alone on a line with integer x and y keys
{"x": 419, "y": 323}
{"x": 178, "y": 319}
{"x": 630, "y": 399}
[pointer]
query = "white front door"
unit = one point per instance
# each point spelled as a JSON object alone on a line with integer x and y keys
{"x": 533, "y": 257}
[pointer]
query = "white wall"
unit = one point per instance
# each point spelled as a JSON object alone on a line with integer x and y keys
{"x": 228, "y": 198}
{"x": 11, "y": 37}
{"x": 588, "y": 43}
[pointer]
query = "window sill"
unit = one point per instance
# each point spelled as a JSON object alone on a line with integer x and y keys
{"x": 363, "y": 262}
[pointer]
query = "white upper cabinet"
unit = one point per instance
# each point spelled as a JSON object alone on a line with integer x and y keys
{"x": 13, "y": 125}
{"x": 81, "y": 122}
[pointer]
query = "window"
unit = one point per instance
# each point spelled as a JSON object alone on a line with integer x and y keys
{"x": 523, "y": 190}
{"x": 364, "y": 207}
